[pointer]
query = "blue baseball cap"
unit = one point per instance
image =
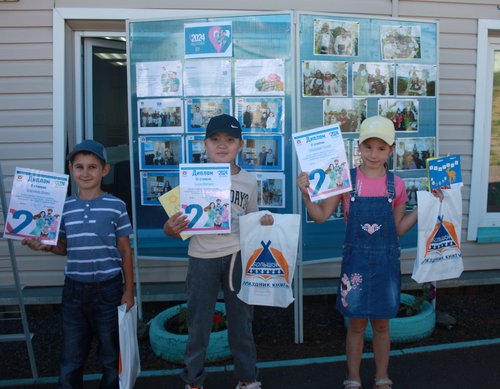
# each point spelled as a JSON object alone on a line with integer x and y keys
{"x": 224, "y": 123}
{"x": 90, "y": 146}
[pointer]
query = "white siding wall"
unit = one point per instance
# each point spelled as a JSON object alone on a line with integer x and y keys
{"x": 26, "y": 124}
{"x": 26, "y": 116}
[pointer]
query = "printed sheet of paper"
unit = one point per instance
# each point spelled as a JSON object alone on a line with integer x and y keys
{"x": 257, "y": 77}
{"x": 207, "y": 77}
{"x": 160, "y": 78}
{"x": 321, "y": 153}
{"x": 205, "y": 197}
{"x": 170, "y": 202}
{"x": 212, "y": 39}
{"x": 36, "y": 205}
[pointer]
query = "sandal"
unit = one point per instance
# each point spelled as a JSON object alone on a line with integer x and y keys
{"x": 351, "y": 384}
{"x": 383, "y": 383}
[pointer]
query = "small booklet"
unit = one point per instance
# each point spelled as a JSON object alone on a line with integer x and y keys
{"x": 321, "y": 153}
{"x": 444, "y": 172}
{"x": 36, "y": 205}
{"x": 170, "y": 202}
{"x": 205, "y": 197}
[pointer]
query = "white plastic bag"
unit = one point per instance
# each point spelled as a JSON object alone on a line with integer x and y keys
{"x": 268, "y": 256}
{"x": 439, "y": 256}
{"x": 129, "y": 362}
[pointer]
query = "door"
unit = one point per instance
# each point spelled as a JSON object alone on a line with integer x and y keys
{"x": 105, "y": 107}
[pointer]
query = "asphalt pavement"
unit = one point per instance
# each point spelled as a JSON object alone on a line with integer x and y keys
{"x": 465, "y": 365}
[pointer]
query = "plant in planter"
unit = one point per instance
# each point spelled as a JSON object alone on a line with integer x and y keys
{"x": 411, "y": 308}
{"x": 177, "y": 324}
{"x": 168, "y": 334}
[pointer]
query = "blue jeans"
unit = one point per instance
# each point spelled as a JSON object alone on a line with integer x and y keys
{"x": 205, "y": 278}
{"x": 90, "y": 310}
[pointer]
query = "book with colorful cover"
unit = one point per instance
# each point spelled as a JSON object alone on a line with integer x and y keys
{"x": 444, "y": 172}
{"x": 171, "y": 203}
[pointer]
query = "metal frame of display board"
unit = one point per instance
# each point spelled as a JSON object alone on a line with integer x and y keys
{"x": 25, "y": 335}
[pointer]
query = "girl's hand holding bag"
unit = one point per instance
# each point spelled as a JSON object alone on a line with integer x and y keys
{"x": 439, "y": 256}
{"x": 268, "y": 255}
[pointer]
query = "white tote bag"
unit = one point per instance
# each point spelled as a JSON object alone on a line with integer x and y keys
{"x": 439, "y": 256}
{"x": 129, "y": 363}
{"x": 268, "y": 256}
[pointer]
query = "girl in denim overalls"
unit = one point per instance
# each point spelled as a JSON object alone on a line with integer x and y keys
{"x": 370, "y": 279}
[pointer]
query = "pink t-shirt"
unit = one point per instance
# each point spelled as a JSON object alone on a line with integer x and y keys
{"x": 375, "y": 187}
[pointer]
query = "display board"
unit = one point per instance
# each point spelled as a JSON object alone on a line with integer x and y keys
{"x": 341, "y": 70}
{"x": 183, "y": 72}
{"x": 351, "y": 68}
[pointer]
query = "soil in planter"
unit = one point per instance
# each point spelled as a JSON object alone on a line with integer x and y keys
{"x": 177, "y": 324}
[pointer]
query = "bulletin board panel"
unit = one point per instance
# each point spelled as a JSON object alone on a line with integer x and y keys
{"x": 355, "y": 67}
{"x": 181, "y": 73}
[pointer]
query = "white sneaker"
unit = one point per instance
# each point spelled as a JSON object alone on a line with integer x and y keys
{"x": 251, "y": 385}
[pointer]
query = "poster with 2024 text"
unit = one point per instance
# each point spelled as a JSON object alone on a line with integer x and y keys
{"x": 322, "y": 155}
{"x": 36, "y": 205}
{"x": 206, "y": 197}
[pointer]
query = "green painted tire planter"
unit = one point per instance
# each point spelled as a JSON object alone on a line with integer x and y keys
{"x": 410, "y": 328}
{"x": 171, "y": 347}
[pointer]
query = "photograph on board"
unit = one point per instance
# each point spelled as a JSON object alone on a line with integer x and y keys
{"x": 411, "y": 153}
{"x": 160, "y": 116}
{"x": 349, "y": 113}
{"x": 271, "y": 189}
{"x": 262, "y": 152}
{"x": 400, "y": 42}
{"x": 372, "y": 79}
{"x": 402, "y": 112}
{"x": 416, "y": 80}
{"x": 324, "y": 78}
{"x": 413, "y": 185}
{"x": 260, "y": 114}
{"x": 154, "y": 184}
{"x": 160, "y": 152}
{"x": 195, "y": 149}
{"x": 200, "y": 110}
{"x": 336, "y": 37}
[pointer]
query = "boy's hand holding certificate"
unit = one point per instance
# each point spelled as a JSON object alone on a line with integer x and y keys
{"x": 205, "y": 197}
{"x": 36, "y": 205}
{"x": 322, "y": 155}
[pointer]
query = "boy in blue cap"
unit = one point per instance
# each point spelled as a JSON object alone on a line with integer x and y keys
{"x": 94, "y": 234}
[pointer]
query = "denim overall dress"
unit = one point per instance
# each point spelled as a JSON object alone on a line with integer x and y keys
{"x": 370, "y": 278}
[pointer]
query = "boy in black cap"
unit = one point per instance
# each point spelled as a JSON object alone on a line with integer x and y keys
{"x": 94, "y": 234}
{"x": 211, "y": 262}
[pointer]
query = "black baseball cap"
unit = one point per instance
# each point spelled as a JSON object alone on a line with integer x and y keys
{"x": 224, "y": 123}
{"x": 90, "y": 146}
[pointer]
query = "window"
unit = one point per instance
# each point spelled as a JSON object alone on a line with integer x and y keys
{"x": 484, "y": 208}
{"x": 493, "y": 199}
